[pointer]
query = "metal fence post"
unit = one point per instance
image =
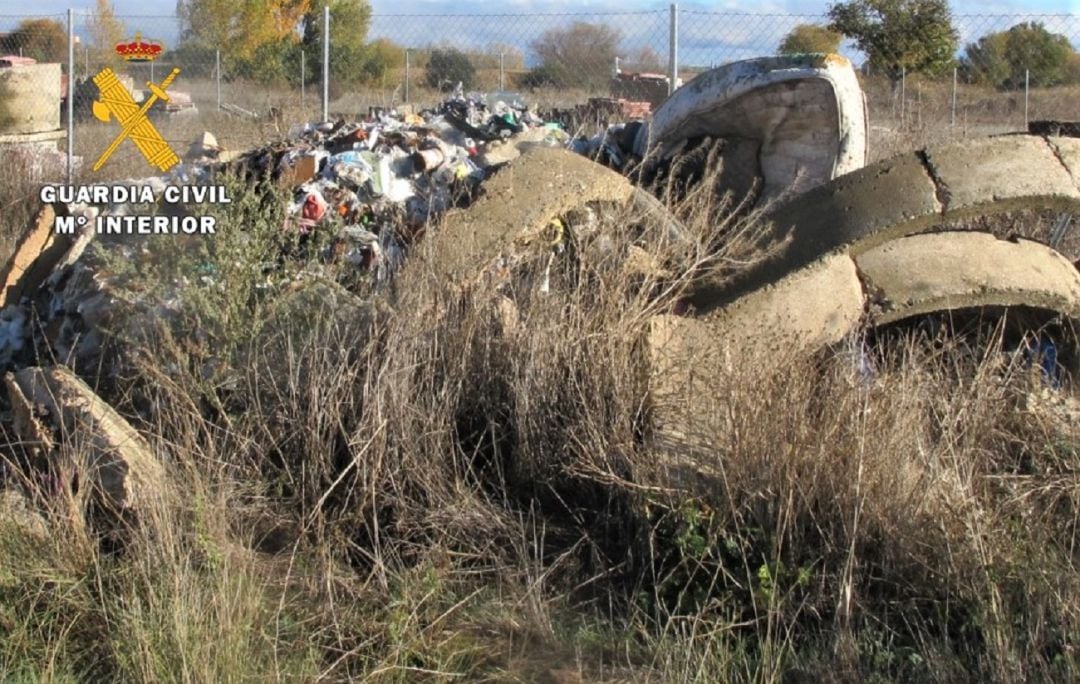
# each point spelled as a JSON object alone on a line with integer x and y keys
{"x": 1027, "y": 94}
{"x": 71, "y": 97}
{"x": 326, "y": 65}
{"x": 673, "y": 49}
{"x": 303, "y": 77}
{"x": 903, "y": 96}
{"x": 502, "y": 72}
{"x": 406, "y": 74}
{"x": 217, "y": 76}
{"x": 952, "y": 117}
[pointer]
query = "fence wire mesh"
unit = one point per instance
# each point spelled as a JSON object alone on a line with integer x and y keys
{"x": 248, "y": 78}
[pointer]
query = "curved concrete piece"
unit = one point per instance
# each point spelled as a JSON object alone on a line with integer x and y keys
{"x": 107, "y": 449}
{"x": 959, "y": 270}
{"x": 806, "y": 111}
{"x": 813, "y": 307}
{"x": 690, "y": 358}
{"x": 518, "y": 202}
{"x": 901, "y": 196}
{"x": 1068, "y": 151}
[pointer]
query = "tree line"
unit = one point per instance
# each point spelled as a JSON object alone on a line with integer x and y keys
{"x": 265, "y": 40}
{"x": 918, "y": 36}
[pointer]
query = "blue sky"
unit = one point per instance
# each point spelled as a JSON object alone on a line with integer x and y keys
{"x": 709, "y": 33}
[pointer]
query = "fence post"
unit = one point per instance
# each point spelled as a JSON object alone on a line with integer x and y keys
{"x": 903, "y": 96}
{"x": 303, "y": 78}
{"x": 1027, "y": 93}
{"x": 502, "y": 72}
{"x": 952, "y": 117}
{"x": 86, "y": 62}
{"x": 326, "y": 65}
{"x": 406, "y": 74}
{"x": 71, "y": 97}
{"x": 673, "y": 49}
{"x": 217, "y": 76}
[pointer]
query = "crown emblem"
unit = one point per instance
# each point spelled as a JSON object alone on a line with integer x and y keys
{"x": 139, "y": 50}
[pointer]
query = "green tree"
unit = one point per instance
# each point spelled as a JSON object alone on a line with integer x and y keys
{"x": 1072, "y": 69}
{"x": 899, "y": 35}
{"x": 1002, "y": 59}
{"x": 581, "y": 55}
{"x": 350, "y": 60}
{"x": 448, "y": 66}
{"x": 807, "y": 38}
{"x": 43, "y": 39}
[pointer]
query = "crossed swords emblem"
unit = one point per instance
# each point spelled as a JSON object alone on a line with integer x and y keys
{"x": 117, "y": 102}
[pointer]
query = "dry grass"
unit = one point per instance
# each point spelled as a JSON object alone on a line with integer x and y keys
{"x": 446, "y": 492}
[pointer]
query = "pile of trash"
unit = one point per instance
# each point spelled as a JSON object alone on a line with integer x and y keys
{"x": 380, "y": 182}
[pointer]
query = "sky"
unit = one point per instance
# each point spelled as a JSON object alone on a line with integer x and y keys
{"x": 710, "y": 33}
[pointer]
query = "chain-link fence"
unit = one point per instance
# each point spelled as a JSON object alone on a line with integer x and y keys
{"x": 246, "y": 78}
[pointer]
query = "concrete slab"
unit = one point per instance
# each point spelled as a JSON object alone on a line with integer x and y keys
{"x": 960, "y": 270}
{"x": 888, "y": 198}
{"x": 1007, "y": 172}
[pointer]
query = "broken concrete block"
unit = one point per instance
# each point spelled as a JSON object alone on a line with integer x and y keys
{"x": 685, "y": 361}
{"x": 693, "y": 357}
{"x": 518, "y": 202}
{"x": 959, "y": 270}
{"x": 106, "y": 449}
{"x": 36, "y": 254}
{"x": 806, "y": 310}
{"x": 1067, "y": 149}
{"x": 1009, "y": 171}
{"x": 898, "y": 197}
{"x": 36, "y": 438}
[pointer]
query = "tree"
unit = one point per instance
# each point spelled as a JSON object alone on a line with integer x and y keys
{"x": 1072, "y": 70}
{"x": 642, "y": 59}
{"x": 43, "y": 39}
{"x": 899, "y": 35}
{"x": 581, "y": 55}
{"x": 448, "y": 66}
{"x": 105, "y": 32}
{"x": 1002, "y": 59}
{"x": 384, "y": 56}
{"x": 512, "y": 58}
{"x": 807, "y": 38}
{"x": 350, "y": 60}
{"x": 238, "y": 29}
